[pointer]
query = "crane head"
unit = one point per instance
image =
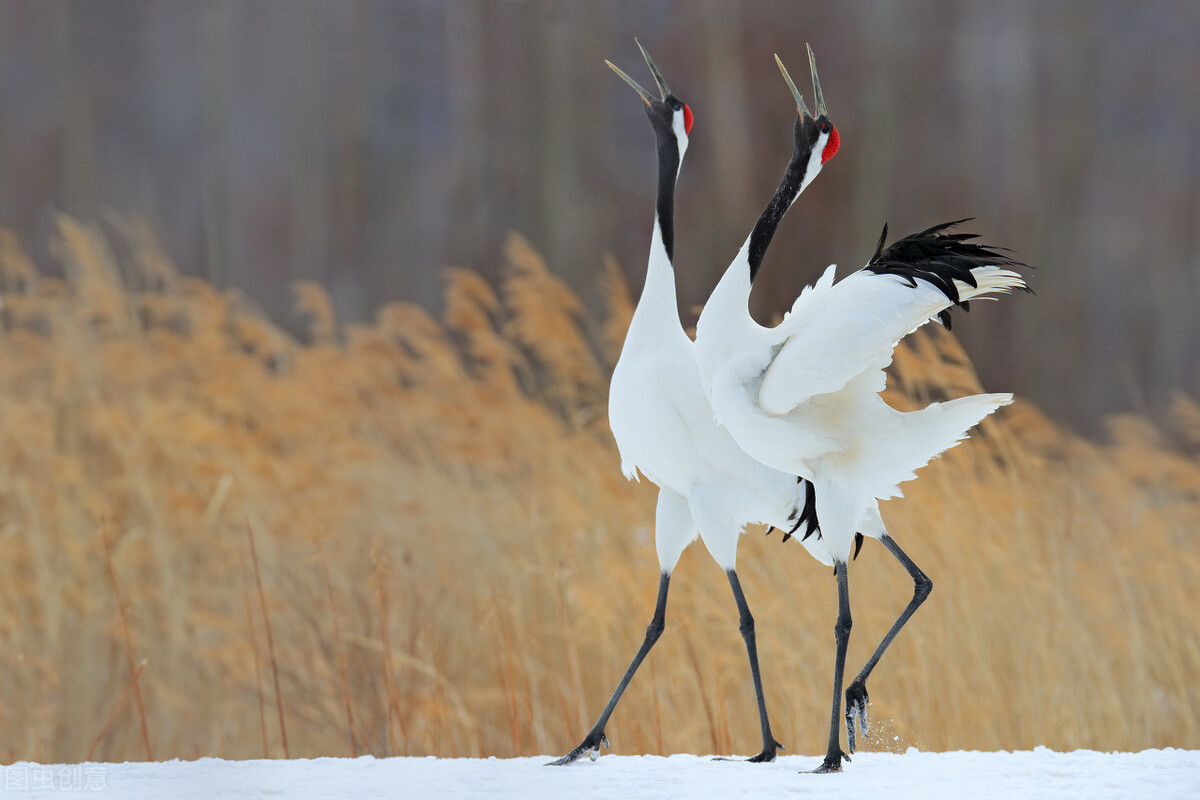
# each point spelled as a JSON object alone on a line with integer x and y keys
{"x": 668, "y": 114}
{"x": 814, "y": 133}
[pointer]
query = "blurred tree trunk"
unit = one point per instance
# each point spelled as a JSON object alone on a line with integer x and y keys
{"x": 309, "y": 119}
{"x": 77, "y": 193}
{"x": 216, "y": 85}
{"x": 725, "y": 125}
{"x": 470, "y": 175}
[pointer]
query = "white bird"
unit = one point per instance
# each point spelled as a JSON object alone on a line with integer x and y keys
{"x": 803, "y": 397}
{"x": 665, "y": 428}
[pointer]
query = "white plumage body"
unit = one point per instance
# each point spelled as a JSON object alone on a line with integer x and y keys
{"x": 803, "y": 397}
{"x": 665, "y": 428}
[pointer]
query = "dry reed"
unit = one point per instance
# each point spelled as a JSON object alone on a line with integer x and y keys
{"x": 135, "y": 669}
{"x": 453, "y": 565}
{"x": 262, "y": 605}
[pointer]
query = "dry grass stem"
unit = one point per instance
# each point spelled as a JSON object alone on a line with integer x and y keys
{"x": 266, "y": 615}
{"x": 135, "y": 669}
{"x": 116, "y": 709}
{"x": 341, "y": 657}
{"x": 258, "y": 685}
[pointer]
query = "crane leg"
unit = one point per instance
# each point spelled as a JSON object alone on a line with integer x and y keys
{"x": 595, "y": 738}
{"x": 746, "y": 626}
{"x": 834, "y": 754}
{"x": 856, "y": 692}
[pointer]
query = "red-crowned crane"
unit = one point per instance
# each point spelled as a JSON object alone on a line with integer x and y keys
{"x": 803, "y": 397}
{"x": 665, "y": 428}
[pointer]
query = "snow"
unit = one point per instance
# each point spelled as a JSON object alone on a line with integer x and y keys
{"x": 1041, "y": 773}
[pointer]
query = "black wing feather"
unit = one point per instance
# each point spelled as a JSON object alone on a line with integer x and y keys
{"x": 939, "y": 258}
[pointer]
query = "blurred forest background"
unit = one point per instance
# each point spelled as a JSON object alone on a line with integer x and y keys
{"x": 365, "y": 145}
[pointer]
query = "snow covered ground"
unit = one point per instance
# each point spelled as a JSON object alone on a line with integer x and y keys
{"x": 1159, "y": 774}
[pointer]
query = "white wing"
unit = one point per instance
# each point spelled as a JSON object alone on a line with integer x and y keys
{"x": 838, "y": 332}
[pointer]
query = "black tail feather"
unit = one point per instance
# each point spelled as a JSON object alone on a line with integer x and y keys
{"x": 805, "y": 516}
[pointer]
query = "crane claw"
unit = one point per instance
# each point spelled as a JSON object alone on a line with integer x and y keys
{"x": 590, "y": 747}
{"x": 765, "y": 757}
{"x": 831, "y": 764}
{"x": 856, "y": 714}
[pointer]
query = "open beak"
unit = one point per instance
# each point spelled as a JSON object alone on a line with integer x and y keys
{"x": 658, "y": 78}
{"x": 663, "y": 89}
{"x": 820, "y": 98}
{"x": 801, "y": 108}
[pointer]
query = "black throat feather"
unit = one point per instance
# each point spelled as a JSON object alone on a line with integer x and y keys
{"x": 768, "y": 221}
{"x": 785, "y": 195}
{"x": 668, "y": 170}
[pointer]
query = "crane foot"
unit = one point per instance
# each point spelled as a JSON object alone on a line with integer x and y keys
{"x": 590, "y": 747}
{"x": 832, "y": 763}
{"x": 856, "y": 714}
{"x": 765, "y": 757}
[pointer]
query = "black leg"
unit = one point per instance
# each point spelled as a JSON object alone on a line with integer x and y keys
{"x": 746, "y": 625}
{"x": 834, "y": 754}
{"x": 856, "y": 692}
{"x": 595, "y": 738}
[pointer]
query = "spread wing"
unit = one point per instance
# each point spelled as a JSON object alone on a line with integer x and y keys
{"x": 842, "y": 332}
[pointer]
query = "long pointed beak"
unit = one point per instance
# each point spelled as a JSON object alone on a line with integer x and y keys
{"x": 646, "y": 96}
{"x": 820, "y": 98}
{"x": 801, "y": 108}
{"x": 658, "y": 78}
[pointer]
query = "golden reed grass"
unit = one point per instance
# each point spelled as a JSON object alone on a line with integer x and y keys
{"x": 418, "y": 530}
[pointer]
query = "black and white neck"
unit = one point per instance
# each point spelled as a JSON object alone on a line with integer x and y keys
{"x": 802, "y": 168}
{"x": 814, "y": 141}
{"x": 671, "y": 120}
{"x": 672, "y": 142}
